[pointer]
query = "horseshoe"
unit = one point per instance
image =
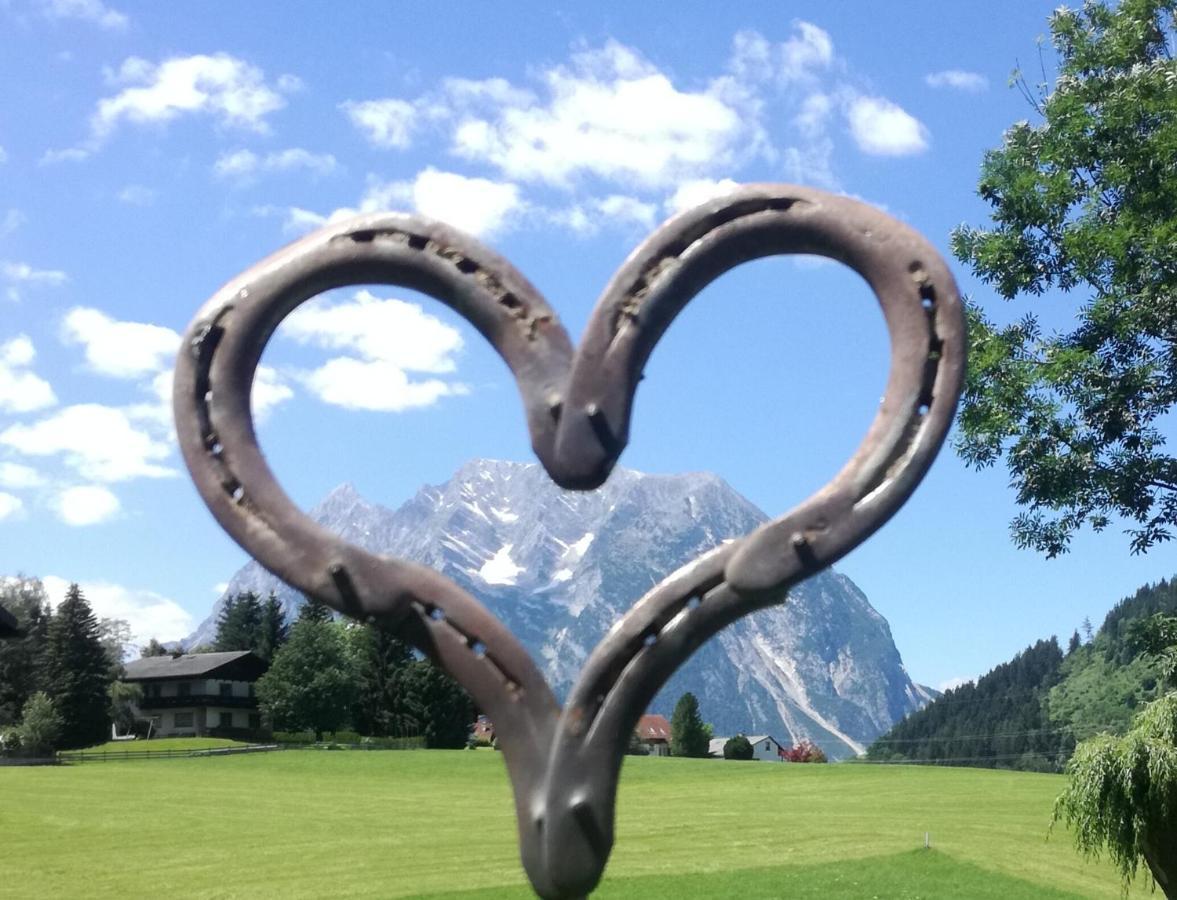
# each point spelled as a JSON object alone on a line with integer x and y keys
{"x": 564, "y": 763}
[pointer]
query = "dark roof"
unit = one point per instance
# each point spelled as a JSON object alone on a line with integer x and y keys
{"x": 234, "y": 665}
{"x": 8, "y": 624}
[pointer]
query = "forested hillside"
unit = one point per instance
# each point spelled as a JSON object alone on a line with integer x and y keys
{"x": 1030, "y": 712}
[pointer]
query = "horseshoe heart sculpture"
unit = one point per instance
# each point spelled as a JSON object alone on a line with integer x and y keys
{"x": 564, "y": 763}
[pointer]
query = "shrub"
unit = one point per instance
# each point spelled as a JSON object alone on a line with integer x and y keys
{"x": 805, "y": 752}
{"x": 738, "y": 747}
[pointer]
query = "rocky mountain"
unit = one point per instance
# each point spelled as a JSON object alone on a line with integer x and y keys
{"x": 559, "y": 567}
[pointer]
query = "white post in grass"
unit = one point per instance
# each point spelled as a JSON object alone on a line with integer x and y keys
{"x": 927, "y": 841}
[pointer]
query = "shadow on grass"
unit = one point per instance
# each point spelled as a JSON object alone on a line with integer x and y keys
{"x": 915, "y": 875}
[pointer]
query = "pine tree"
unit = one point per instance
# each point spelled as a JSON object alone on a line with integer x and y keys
{"x": 153, "y": 648}
{"x": 77, "y": 671}
{"x": 21, "y": 668}
{"x": 381, "y": 658}
{"x": 272, "y": 631}
{"x": 315, "y": 610}
{"x": 688, "y": 734}
{"x": 441, "y": 710}
{"x": 240, "y": 623}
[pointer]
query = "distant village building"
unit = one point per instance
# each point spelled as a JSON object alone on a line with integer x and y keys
{"x": 764, "y": 747}
{"x": 196, "y": 694}
{"x": 654, "y": 734}
{"x": 9, "y": 627}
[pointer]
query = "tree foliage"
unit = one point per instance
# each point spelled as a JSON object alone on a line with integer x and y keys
{"x": 272, "y": 630}
{"x": 21, "y": 667}
{"x": 40, "y": 726}
{"x": 689, "y": 736}
{"x": 737, "y": 747}
{"x": 1121, "y": 796}
{"x": 1084, "y": 201}
{"x": 437, "y": 706}
{"x": 77, "y": 671}
{"x": 153, "y": 648}
{"x": 381, "y": 707}
{"x": 311, "y": 683}
{"x": 239, "y": 624}
{"x": 804, "y": 752}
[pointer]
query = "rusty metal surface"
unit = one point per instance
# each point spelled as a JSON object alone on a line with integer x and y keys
{"x": 564, "y": 762}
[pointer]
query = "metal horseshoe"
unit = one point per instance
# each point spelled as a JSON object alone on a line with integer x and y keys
{"x": 564, "y": 763}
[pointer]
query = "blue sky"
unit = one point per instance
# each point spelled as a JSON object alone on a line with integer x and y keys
{"x": 148, "y": 154}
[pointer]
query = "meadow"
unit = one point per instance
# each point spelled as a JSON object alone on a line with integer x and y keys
{"x": 440, "y": 824}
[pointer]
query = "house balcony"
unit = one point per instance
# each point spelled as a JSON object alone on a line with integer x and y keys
{"x": 174, "y": 702}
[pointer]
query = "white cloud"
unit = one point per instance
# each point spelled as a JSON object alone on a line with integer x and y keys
{"x": 385, "y": 340}
{"x": 149, "y": 614}
{"x": 22, "y": 391}
{"x": 13, "y": 219}
{"x": 10, "y": 506}
{"x": 805, "y": 55}
{"x": 394, "y": 331}
{"x": 18, "y": 477}
{"x": 883, "y": 128}
{"x": 136, "y": 195}
{"x": 220, "y": 587}
{"x": 951, "y": 683}
{"x": 119, "y": 349}
{"x": 228, "y": 89}
{"x": 693, "y": 193}
{"x": 385, "y": 123}
{"x": 269, "y": 391}
{"x": 69, "y": 154}
{"x": 94, "y": 11}
{"x": 88, "y": 504}
{"x": 243, "y": 164}
{"x": 374, "y": 385}
{"x": 592, "y": 215}
{"x": 20, "y": 273}
{"x": 611, "y": 114}
{"x": 972, "y": 82}
{"x": 475, "y": 205}
{"x": 99, "y": 442}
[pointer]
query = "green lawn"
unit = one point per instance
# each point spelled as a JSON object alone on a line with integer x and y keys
{"x": 439, "y": 824}
{"x": 196, "y": 743}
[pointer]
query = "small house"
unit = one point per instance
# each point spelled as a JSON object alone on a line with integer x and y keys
{"x": 766, "y": 747}
{"x": 654, "y": 734}
{"x": 197, "y": 694}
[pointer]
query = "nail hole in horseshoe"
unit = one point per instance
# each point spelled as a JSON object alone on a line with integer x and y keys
{"x": 694, "y": 602}
{"x": 437, "y": 614}
{"x": 477, "y": 648}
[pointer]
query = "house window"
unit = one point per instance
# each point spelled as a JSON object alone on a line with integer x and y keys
{"x": 255, "y": 720}
{"x": 184, "y": 689}
{"x": 182, "y": 720}
{"x": 153, "y": 690}
{"x": 251, "y": 693}
{"x": 226, "y": 720}
{"x": 226, "y": 689}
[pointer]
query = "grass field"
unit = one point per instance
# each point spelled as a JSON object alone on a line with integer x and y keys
{"x": 196, "y": 743}
{"x": 440, "y": 824}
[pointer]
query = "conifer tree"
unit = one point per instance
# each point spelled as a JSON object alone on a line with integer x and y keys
{"x": 381, "y": 658}
{"x": 441, "y": 710}
{"x": 153, "y": 648}
{"x": 272, "y": 631}
{"x": 240, "y": 623}
{"x": 77, "y": 671}
{"x": 315, "y": 610}
{"x": 689, "y": 736}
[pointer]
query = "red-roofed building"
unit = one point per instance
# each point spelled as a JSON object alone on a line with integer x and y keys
{"x": 654, "y": 733}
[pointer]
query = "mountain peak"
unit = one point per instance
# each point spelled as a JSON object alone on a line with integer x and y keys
{"x": 559, "y": 567}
